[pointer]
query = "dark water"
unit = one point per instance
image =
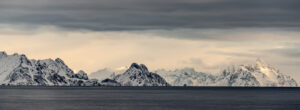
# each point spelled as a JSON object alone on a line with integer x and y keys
{"x": 153, "y": 98}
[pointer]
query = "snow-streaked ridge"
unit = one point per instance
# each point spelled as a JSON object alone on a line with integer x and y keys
{"x": 19, "y": 70}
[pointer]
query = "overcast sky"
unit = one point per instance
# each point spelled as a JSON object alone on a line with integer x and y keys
{"x": 203, "y": 34}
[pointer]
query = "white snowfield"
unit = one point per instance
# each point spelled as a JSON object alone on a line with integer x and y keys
{"x": 19, "y": 70}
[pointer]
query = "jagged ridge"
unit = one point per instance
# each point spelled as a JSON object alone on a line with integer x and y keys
{"x": 19, "y": 70}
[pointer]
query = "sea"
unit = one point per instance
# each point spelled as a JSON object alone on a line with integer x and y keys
{"x": 149, "y": 98}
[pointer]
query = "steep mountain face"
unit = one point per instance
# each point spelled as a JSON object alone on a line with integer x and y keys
{"x": 19, "y": 70}
{"x": 260, "y": 74}
{"x": 138, "y": 75}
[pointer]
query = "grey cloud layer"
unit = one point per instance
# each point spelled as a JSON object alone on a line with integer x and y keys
{"x": 291, "y": 50}
{"x": 151, "y": 14}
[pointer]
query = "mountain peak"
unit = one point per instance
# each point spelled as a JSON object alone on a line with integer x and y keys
{"x": 81, "y": 72}
{"x": 137, "y": 66}
{"x": 81, "y": 75}
{"x": 58, "y": 60}
{"x": 138, "y": 75}
{"x": 260, "y": 62}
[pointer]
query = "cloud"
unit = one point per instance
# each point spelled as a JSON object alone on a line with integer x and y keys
{"x": 289, "y": 52}
{"x": 92, "y": 50}
{"x": 154, "y": 14}
{"x": 199, "y": 63}
{"x": 240, "y": 54}
{"x": 205, "y": 34}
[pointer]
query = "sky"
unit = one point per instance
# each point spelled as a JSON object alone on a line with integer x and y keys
{"x": 207, "y": 35}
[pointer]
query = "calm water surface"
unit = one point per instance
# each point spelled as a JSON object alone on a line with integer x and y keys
{"x": 150, "y": 98}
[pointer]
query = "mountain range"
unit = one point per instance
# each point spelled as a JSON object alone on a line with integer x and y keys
{"x": 17, "y": 69}
{"x": 260, "y": 74}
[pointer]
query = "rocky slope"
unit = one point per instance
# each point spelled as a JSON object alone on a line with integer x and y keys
{"x": 19, "y": 70}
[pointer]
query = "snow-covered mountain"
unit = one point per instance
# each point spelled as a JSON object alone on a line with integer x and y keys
{"x": 19, "y": 70}
{"x": 138, "y": 75}
{"x": 260, "y": 74}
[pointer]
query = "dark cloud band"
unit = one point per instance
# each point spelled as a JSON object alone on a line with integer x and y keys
{"x": 151, "y": 14}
